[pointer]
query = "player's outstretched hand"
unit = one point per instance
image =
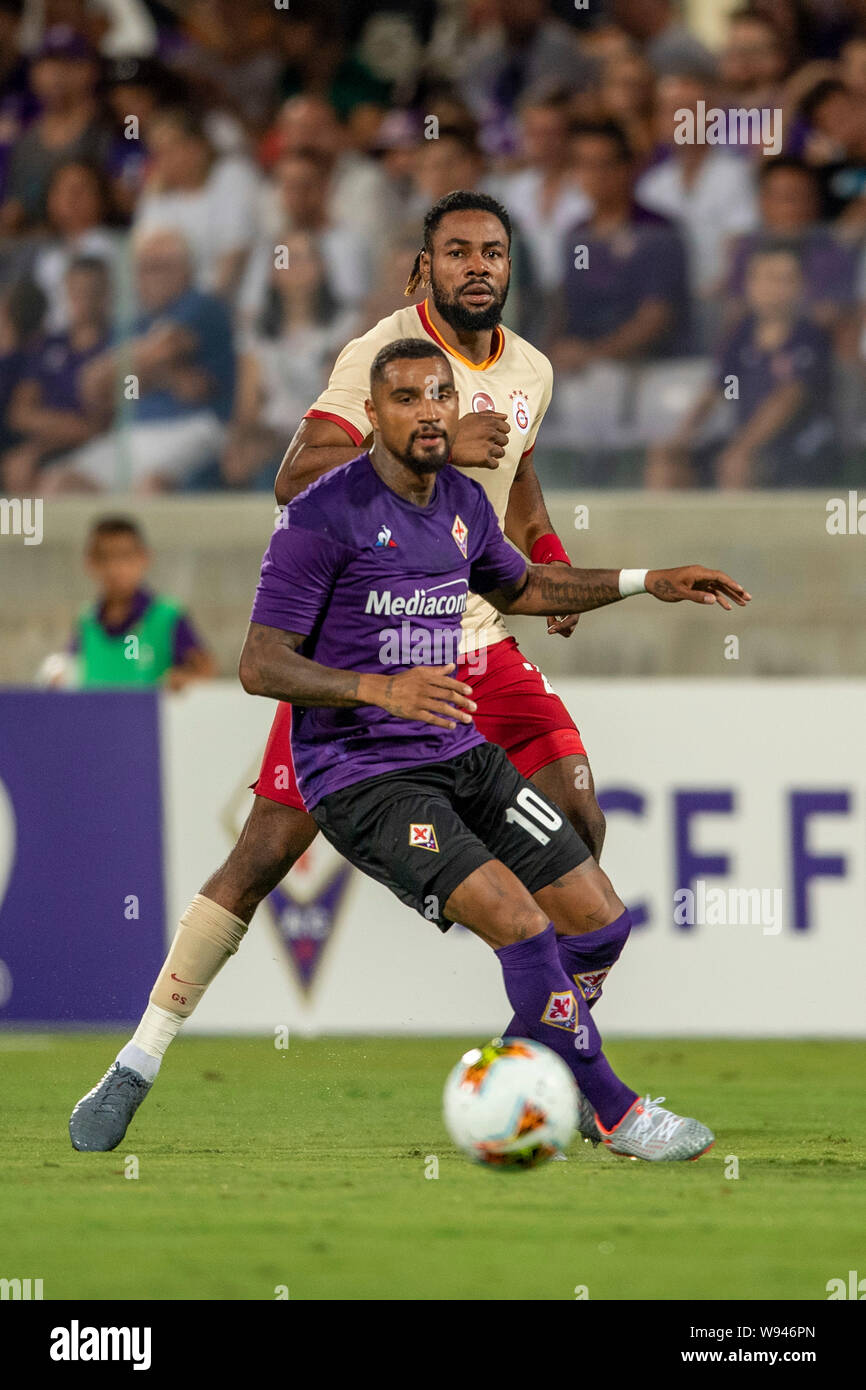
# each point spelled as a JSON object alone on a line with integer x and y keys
{"x": 428, "y": 694}
{"x": 480, "y": 440}
{"x": 563, "y": 627}
{"x": 697, "y": 584}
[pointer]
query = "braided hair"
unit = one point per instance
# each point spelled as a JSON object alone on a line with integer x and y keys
{"x": 462, "y": 200}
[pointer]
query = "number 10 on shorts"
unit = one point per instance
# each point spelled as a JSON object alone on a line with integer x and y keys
{"x": 537, "y": 814}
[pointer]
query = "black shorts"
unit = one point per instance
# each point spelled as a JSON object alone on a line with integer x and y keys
{"x": 422, "y": 830}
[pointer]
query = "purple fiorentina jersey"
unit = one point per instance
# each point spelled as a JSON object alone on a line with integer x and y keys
{"x": 376, "y": 583}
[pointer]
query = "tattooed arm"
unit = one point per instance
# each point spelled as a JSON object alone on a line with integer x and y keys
{"x": 561, "y": 590}
{"x": 271, "y": 665}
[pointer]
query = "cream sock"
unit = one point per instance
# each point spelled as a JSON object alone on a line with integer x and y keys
{"x": 206, "y": 937}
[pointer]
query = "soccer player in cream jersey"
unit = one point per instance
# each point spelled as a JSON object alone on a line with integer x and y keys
{"x": 503, "y": 385}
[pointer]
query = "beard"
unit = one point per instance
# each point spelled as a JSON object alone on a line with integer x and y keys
{"x": 423, "y": 467}
{"x": 460, "y": 315}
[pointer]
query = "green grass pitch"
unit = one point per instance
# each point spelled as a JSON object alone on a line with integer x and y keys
{"x": 305, "y": 1168}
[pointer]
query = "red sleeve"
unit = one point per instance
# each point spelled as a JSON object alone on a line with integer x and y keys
{"x": 354, "y": 434}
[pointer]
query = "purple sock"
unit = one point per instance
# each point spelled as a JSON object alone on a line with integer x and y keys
{"x": 539, "y": 989}
{"x": 588, "y": 958}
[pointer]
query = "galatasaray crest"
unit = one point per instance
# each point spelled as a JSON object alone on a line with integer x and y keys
{"x": 520, "y": 411}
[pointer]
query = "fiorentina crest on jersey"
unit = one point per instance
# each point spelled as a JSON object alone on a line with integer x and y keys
{"x": 561, "y": 1011}
{"x": 460, "y": 532}
{"x": 423, "y": 837}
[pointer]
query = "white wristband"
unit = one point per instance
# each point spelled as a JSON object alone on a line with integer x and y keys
{"x": 632, "y": 582}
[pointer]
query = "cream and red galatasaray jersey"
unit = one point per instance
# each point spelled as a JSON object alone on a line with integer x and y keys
{"x": 516, "y": 379}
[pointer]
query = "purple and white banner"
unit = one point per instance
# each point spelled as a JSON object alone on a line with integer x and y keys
{"x": 736, "y": 828}
{"x": 82, "y": 901}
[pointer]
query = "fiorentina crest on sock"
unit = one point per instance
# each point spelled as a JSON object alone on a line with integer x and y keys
{"x": 589, "y": 982}
{"x": 561, "y": 1011}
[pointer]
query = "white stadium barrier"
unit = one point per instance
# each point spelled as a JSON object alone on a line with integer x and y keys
{"x": 746, "y": 795}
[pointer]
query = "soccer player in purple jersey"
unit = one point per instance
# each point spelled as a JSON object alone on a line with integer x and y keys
{"x": 388, "y": 759}
{"x": 387, "y": 755}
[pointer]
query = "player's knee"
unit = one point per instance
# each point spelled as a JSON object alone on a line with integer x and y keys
{"x": 264, "y": 864}
{"x": 591, "y": 901}
{"x": 275, "y": 835}
{"x": 610, "y": 906}
{"x": 519, "y": 921}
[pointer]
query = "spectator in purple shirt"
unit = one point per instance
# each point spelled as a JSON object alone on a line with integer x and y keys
{"x": 790, "y": 202}
{"x": 46, "y": 410}
{"x": 71, "y": 125}
{"x": 625, "y": 275}
{"x": 773, "y": 381}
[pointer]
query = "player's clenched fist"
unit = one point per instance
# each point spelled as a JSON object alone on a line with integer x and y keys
{"x": 697, "y": 584}
{"x": 480, "y": 440}
{"x": 425, "y": 693}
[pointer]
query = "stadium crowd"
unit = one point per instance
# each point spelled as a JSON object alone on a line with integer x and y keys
{"x": 201, "y": 203}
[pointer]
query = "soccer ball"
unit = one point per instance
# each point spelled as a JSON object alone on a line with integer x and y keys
{"x": 511, "y": 1104}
